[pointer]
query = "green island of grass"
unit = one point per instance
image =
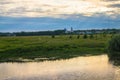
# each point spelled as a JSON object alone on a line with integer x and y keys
{"x": 40, "y": 48}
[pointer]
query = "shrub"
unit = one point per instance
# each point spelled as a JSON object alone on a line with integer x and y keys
{"x": 78, "y": 36}
{"x": 70, "y": 36}
{"x": 114, "y": 47}
{"x": 85, "y": 36}
{"x": 53, "y": 36}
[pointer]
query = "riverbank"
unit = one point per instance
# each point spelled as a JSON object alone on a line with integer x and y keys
{"x": 40, "y": 48}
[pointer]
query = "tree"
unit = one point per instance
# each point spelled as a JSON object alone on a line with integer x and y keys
{"x": 114, "y": 48}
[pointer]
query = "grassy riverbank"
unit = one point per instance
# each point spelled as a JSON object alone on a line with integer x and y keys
{"x": 40, "y": 48}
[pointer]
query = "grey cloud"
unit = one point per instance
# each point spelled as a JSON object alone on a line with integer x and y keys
{"x": 115, "y": 5}
{"x": 23, "y": 10}
{"x": 3, "y": 2}
{"x": 18, "y": 10}
{"x": 110, "y": 0}
{"x": 47, "y": 5}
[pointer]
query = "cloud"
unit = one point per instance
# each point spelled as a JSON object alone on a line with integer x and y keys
{"x": 53, "y": 8}
{"x": 3, "y": 2}
{"x": 110, "y": 0}
{"x": 29, "y": 15}
{"x": 115, "y": 5}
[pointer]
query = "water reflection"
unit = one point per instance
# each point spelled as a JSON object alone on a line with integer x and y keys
{"x": 81, "y": 68}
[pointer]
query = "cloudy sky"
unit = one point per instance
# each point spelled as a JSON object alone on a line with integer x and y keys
{"x": 38, "y": 15}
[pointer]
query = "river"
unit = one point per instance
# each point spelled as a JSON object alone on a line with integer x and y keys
{"x": 80, "y": 68}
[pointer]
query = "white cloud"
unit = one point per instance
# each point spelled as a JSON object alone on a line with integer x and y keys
{"x": 55, "y": 8}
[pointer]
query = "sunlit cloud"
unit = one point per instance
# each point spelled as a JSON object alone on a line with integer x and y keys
{"x": 57, "y": 8}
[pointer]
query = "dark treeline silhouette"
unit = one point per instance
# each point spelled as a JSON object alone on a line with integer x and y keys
{"x": 62, "y": 32}
{"x": 56, "y": 32}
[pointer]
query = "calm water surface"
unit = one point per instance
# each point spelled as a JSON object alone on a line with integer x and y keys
{"x": 81, "y": 68}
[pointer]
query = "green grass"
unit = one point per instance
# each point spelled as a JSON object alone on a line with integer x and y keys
{"x": 60, "y": 47}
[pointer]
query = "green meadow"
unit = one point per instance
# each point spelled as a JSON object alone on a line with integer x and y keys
{"x": 40, "y": 48}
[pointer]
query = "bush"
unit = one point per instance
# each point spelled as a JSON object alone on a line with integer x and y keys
{"x": 114, "y": 48}
{"x": 78, "y": 36}
{"x": 53, "y": 36}
{"x": 85, "y": 36}
{"x": 70, "y": 37}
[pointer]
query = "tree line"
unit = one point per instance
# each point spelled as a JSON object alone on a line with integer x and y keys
{"x": 62, "y": 32}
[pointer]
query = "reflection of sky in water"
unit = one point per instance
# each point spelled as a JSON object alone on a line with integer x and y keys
{"x": 81, "y": 68}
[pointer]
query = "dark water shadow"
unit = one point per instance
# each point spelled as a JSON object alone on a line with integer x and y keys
{"x": 115, "y": 62}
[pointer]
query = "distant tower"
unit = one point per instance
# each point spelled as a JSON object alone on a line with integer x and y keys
{"x": 71, "y": 29}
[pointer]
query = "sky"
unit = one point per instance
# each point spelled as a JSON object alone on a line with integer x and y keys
{"x": 41, "y": 15}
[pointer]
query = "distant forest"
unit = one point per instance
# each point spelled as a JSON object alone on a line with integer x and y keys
{"x": 62, "y": 32}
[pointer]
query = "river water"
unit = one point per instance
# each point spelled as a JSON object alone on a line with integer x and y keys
{"x": 80, "y": 68}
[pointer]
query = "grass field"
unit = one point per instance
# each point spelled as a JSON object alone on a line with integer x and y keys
{"x": 39, "y": 48}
